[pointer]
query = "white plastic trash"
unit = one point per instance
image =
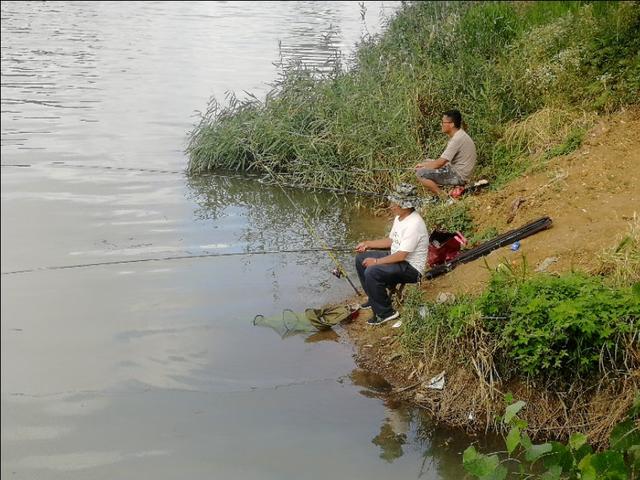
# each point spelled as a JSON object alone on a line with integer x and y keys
{"x": 437, "y": 382}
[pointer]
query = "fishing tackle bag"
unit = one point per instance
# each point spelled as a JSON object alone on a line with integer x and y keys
{"x": 326, "y": 317}
{"x": 444, "y": 246}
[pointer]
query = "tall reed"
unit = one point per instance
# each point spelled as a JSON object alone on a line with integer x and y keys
{"x": 363, "y": 126}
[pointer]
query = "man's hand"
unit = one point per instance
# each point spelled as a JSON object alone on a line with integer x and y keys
{"x": 367, "y": 262}
{"x": 426, "y": 164}
{"x": 362, "y": 247}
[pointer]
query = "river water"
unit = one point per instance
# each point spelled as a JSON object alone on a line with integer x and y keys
{"x": 120, "y": 368}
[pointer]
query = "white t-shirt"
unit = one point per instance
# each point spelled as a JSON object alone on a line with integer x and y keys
{"x": 410, "y": 235}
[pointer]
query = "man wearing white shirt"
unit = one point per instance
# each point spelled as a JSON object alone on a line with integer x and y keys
{"x": 400, "y": 258}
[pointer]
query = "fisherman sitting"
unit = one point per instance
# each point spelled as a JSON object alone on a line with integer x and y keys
{"x": 456, "y": 163}
{"x": 400, "y": 258}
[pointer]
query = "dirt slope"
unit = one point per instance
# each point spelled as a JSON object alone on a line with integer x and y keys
{"x": 591, "y": 196}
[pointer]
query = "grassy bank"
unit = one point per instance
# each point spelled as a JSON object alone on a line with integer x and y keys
{"x": 568, "y": 344}
{"x": 529, "y": 78}
{"x": 550, "y": 329}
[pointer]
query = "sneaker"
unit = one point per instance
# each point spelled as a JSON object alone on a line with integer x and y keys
{"x": 361, "y": 306}
{"x": 379, "y": 320}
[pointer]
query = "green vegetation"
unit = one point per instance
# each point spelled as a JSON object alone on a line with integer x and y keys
{"x": 554, "y": 460}
{"x": 450, "y": 218}
{"x": 529, "y": 77}
{"x": 556, "y": 328}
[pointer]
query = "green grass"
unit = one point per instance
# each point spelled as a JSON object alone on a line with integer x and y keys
{"x": 361, "y": 126}
{"x": 450, "y": 218}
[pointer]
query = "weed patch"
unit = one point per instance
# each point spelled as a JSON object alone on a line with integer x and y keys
{"x": 621, "y": 264}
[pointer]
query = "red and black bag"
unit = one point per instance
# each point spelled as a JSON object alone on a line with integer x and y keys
{"x": 444, "y": 246}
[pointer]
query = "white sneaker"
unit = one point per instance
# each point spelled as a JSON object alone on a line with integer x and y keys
{"x": 361, "y": 306}
{"x": 375, "y": 320}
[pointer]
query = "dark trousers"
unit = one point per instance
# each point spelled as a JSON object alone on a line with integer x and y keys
{"x": 377, "y": 278}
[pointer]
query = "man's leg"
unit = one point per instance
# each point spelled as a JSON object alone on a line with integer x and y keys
{"x": 360, "y": 268}
{"x": 431, "y": 186}
{"x": 379, "y": 277}
{"x": 433, "y": 178}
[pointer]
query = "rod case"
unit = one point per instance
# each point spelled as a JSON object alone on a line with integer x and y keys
{"x": 489, "y": 246}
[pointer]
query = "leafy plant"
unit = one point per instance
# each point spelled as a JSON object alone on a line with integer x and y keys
{"x": 559, "y": 324}
{"x": 558, "y": 328}
{"x": 555, "y": 460}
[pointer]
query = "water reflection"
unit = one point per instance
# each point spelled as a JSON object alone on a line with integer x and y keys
{"x": 406, "y": 428}
{"x": 273, "y": 222}
{"x": 393, "y": 431}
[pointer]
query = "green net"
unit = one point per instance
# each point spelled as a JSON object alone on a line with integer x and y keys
{"x": 286, "y": 324}
{"x": 311, "y": 320}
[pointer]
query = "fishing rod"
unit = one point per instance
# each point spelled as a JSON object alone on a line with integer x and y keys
{"x": 180, "y": 257}
{"x": 339, "y": 271}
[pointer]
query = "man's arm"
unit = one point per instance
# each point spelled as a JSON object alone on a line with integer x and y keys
{"x": 382, "y": 244}
{"x": 433, "y": 164}
{"x": 397, "y": 257}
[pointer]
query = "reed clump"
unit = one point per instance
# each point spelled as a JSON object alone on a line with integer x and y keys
{"x": 528, "y": 77}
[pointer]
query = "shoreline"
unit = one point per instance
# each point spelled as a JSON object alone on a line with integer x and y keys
{"x": 470, "y": 402}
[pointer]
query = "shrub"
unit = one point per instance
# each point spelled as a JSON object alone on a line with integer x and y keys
{"x": 545, "y": 327}
{"x": 560, "y": 325}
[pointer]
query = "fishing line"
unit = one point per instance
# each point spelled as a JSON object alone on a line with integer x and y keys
{"x": 339, "y": 272}
{"x": 243, "y": 176}
{"x": 179, "y": 257}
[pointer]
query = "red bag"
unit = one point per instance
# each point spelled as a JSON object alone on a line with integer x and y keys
{"x": 457, "y": 192}
{"x": 444, "y": 246}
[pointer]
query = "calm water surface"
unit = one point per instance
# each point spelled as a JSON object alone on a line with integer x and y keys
{"x": 154, "y": 369}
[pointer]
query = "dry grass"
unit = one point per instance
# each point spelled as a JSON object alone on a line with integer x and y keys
{"x": 545, "y": 129}
{"x": 622, "y": 263}
{"x": 473, "y": 395}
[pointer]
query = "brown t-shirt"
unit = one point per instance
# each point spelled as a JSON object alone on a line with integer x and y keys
{"x": 461, "y": 153}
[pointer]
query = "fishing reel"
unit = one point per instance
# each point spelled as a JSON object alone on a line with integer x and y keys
{"x": 337, "y": 272}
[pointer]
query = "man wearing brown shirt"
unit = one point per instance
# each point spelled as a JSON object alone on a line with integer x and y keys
{"x": 456, "y": 163}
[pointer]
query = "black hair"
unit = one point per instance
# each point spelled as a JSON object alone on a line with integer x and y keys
{"x": 455, "y": 116}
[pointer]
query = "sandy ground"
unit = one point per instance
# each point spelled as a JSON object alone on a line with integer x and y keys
{"x": 591, "y": 195}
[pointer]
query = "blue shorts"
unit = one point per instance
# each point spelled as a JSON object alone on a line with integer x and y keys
{"x": 442, "y": 176}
